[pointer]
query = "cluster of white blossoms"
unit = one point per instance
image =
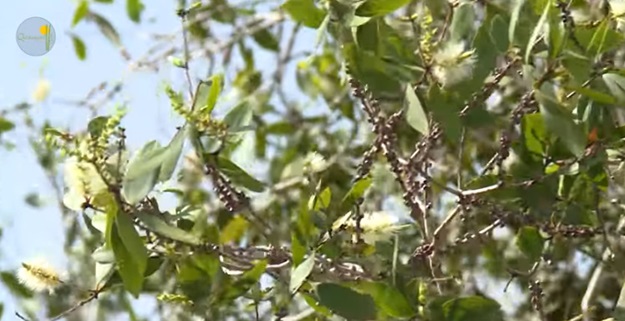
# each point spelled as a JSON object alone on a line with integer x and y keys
{"x": 375, "y": 226}
{"x": 453, "y": 63}
{"x": 617, "y": 7}
{"x": 39, "y": 276}
{"x": 314, "y": 163}
{"x": 83, "y": 183}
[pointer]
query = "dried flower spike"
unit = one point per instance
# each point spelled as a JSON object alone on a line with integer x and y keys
{"x": 39, "y": 276}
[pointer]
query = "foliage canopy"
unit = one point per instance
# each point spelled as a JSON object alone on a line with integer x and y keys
{"x": 412, "y": 153}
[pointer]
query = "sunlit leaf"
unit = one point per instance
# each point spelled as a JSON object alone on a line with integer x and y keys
{"x": 301, "y": 272}
{"x": 379, "y": 7}
{"x": 415, "y": 115}
{"x": 81, "y": 12}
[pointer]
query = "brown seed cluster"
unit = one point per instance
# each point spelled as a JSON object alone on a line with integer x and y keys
{"x": 233, "y": 199}
{"x": 385, "y": 132}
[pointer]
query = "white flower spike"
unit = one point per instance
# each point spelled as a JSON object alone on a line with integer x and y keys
{"x": 453, "y": 64}
{"x": 375, "y": 226}
{"x": 39, "y": 276}
{"x": 83, "y": 183}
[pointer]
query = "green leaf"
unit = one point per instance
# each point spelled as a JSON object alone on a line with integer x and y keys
{"x": 538, "y": 30}
{"x": 134, "y": 9}
{"x": 595, "y": 95}
{"x": 238, "y": 176}
{"x": 97, "y": 125}
{"x": 215, "y": 90}
{"x": 239, "y": 117}
{"x": 529, "y": 241}
{"x": 462, "y": 23}
{"x": 131, "y": 240}
{"x": 320, "y": 201}
{"x": 5, "y": 125}
{"x": 346, "y": 302}
{"x": 106, "y": 28}
{"x": 14, "y": 286}
{"x": 415, "y": 115}
{"x": 234, "y": 230}
{"x": 388, "y": 299}
{"x": 560, "y": 122}
{"x": 616, "y": 84}
{"x": 171, "y": 155}
{"x": 301, "y": 272}
{"x": 265, "y": 39}
{"x": 143, "y": 172}
{"x": 160, "y": 227}
{"x": 81, "y": 12}
{"x": 498, "y": 33}
{"x": 304, "y": 12}
{"x": 127, "y": 265}
{"x": 534, "y": 133}
{"x": 355, "y": 192}
{"x": 79, "y": 47}
{"x": 514, "y": 18}
{"x": 372, "y": 8}
{"x": 473, "y": 308}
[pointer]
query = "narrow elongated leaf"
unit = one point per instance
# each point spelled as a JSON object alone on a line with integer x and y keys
{"x": 616, "y": 84}
{"x": 106, "y": 28}
{"x": 538, "y": 31}
{"x": 415, "y": 115}
{"x": 372, "y": 8}
{"x": 238, "y": 176}
{"x": 514, "y": 18}
{"x": 160, "y": 227}
{"x": 171, "y": 155}
{"x": 81, "y": 12}
{"x": 143, "y": 172}
{"x": 301, "y": 272}
{"x": 355, "y": 192}
{"x": 346, "y": 302}
{"x": 130, "y": 272}
{"x": 214, "y": 92}
{"x": 79, "y": 47}
{"x": 132, "y": 241}
{"x": 463, "y": 21}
